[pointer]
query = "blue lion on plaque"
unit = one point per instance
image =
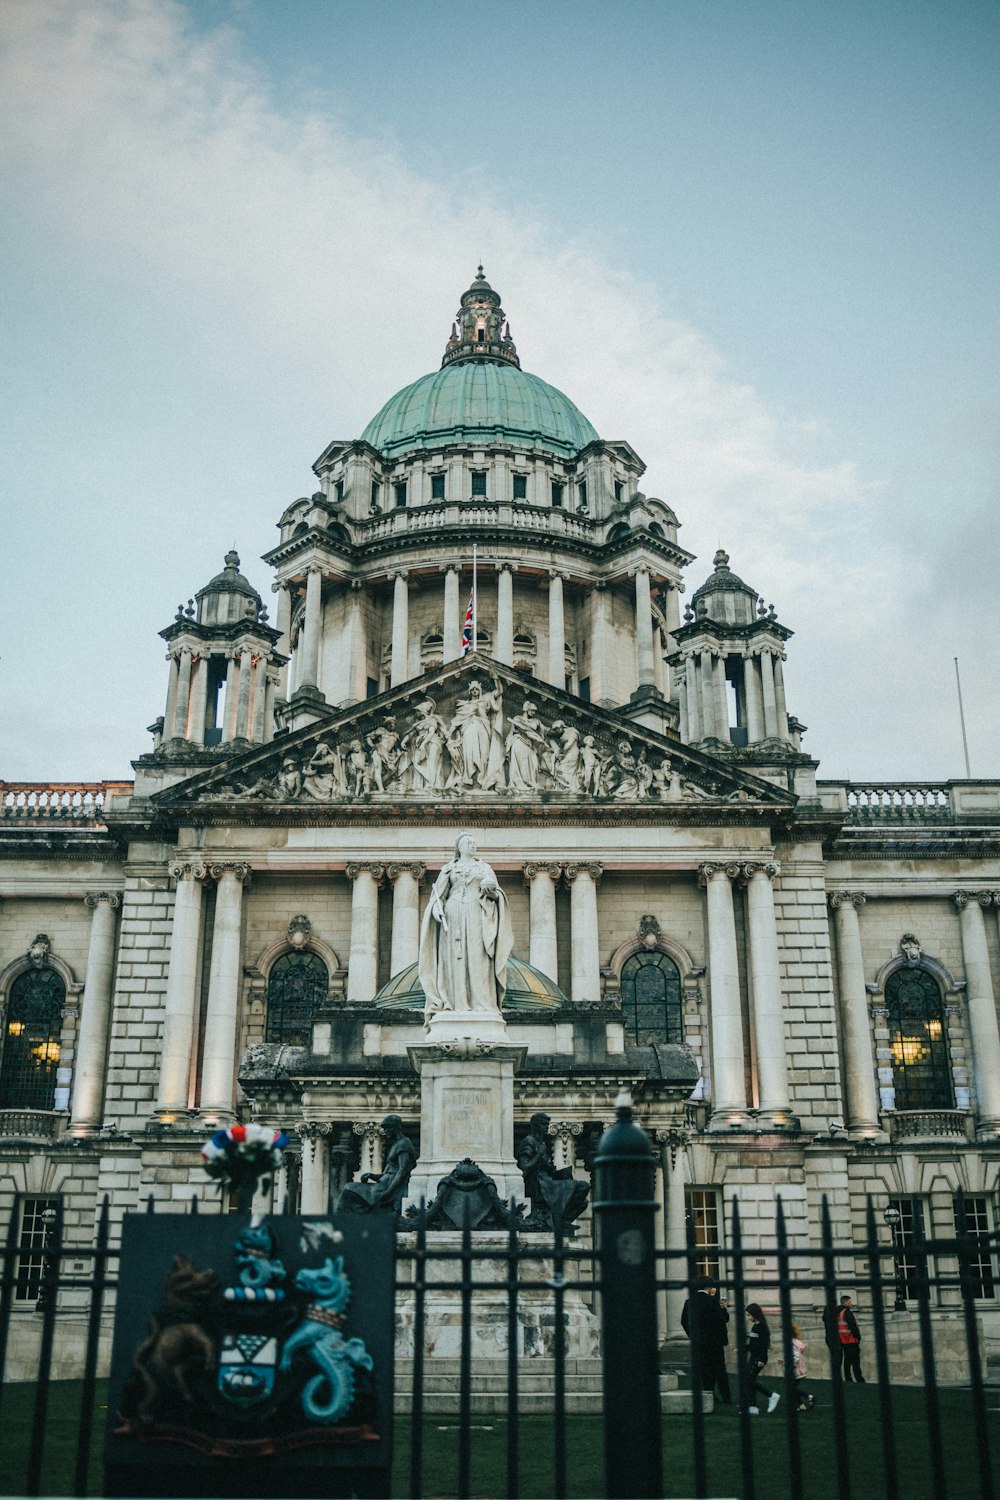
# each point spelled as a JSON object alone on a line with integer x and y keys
{"x": 319, "y": 1335}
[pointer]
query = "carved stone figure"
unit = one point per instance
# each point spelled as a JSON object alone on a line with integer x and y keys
{"x": 39, "y": 951}
{"x": 383, "y": 743}
{"x": 289, "y": 778}
{"x": 553, "y": 1191}
{"x": 524, "y": 745}
{"x": 591, "y": 765}
{"x": 910, "y": 949}
{"x": 386, "y": 1189}
{"x": 358, "y": 772}
{"x": 477, "y": 732}
{"x": 424, "y": 744}
{"x": 323, "y": 777}
{"x": 568, "y": 768}
{"x": 466, "y": 937}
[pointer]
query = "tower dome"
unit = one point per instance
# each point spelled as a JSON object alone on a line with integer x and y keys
{"x": 480, "y": 395}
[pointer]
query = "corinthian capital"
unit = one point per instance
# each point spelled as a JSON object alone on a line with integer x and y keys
{"x": 852, "y": 898}
{"x": 102, "y": 898}
{"x": 239, "y": 868}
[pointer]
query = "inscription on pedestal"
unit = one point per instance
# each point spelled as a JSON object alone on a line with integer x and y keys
{"x": 468, "y": 1124}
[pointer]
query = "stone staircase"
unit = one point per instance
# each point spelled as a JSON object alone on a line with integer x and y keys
{"x": 536, "y": 1384}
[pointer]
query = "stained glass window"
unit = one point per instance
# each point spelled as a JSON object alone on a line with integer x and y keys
{"x": 651, "y": 999}
{"x": 921, "y": 1071}
{"x": 297, "y": 985}
{"x": 31, "y": 1040}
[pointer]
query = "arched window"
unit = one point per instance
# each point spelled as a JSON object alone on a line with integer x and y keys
{"x": 296, "y": 985}
{"x": 921, "y": 1071}
{"x": 31, "y": 1040}
{"x": 651, "y": 999}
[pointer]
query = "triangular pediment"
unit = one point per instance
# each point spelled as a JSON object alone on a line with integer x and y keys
{"x": 472, "y": 732}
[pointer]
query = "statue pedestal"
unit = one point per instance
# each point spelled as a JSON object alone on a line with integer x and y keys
{"x": 466, "y": 1102}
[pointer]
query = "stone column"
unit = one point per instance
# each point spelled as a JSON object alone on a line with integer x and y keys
{"x": 358, "y": 636}
{"x": 259, "y": 697}
{"x": 284, "y": 624}
{"x": 982, "y": 1010}
{"x": 362, "y": 963}
{"x": 315, "y": 1168}
{"x": 542, "y": 947}
{"x": 728, "y": 1076}
{"x": 770, "y": 707}
{"x": 860, "y": 1095}
{"x": 684, "y": 724}
{"x": 405, "y": 947}
{"x": 270, "y": 693}
{"x": 400, "y": 628}
{"x": 754, "y": 700}
{"x": 779, "y": 698}
{"x": 370, "y": 1132}
{"x": 564, "y": 1144}
{"x": 691, "y": 698}
{"x": 87, "y": 1113}
{"x": 504, "y": 650}
{"x": 768, "y": 1019}
{"x": 707, "y": 684}
{"x": 557, "y": 632}
{"x": 674, "y": 1151}
{"x": 721, "y": 704}
{"x": 585, "y": 965}
{"x": 229, "y": 704}
{"x": 449, "y": 629}
{"x": 218, "y": 1070}
{"x": 661, "y": 678}
{"x": 181, "y": 999}
{"x": 644, "y": 630}
{"x": 183, "y": 695}
{"x": 199, "y": 699}
{"x": 171, "y": 708}
{"x": 310, "y": 630}
{"x": 600, "y": 687}
{"x": 243, "y": 694}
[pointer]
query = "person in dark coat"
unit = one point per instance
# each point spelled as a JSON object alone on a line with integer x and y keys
{"x": 832, "y": 1335}
{"x": 712, "y": 1317}
{"x": 758, "y": 1351}
{"x": 850, "y": 1341}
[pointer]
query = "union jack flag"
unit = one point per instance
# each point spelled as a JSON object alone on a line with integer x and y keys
{"x": 468, "y": 629}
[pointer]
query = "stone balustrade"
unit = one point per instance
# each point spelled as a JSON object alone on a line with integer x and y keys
{"x": 432, "y": 518}
{"x": 32, "y": 1124}
{"x": 80, "y": 802}
{"x": 911, "y": 1124}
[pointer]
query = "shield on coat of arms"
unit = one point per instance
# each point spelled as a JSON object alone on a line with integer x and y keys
{"x": 247, "y": 1367}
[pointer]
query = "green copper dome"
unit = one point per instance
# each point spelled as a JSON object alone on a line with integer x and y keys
{"x": 478, "y": 402}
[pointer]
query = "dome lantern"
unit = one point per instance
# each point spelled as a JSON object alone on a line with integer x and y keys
{"x": 481, "y": 331}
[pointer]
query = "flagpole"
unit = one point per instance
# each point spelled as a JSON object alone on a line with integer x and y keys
{"x": 475, "y": 602}
{"x": 961, "y": 719}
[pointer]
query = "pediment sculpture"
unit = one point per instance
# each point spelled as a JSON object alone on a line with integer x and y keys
{"x": 491, "y": 738}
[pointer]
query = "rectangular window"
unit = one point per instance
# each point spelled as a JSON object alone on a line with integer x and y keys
{"x": 401, "y": 495}
{"x": 705, "y": 1216}
{"x": 585, "y": 689}
{"x": 619, "y": 491}
{"x": 980, "y": 1263}
{"x": 479, "y": 481}
{"x": 339, "y": 491}
{"x": 31, "y": 1245}
{"x": 558, "y": 491}
{"x": 372, "y": 688}
{"x": 581, "y": 493}
{"x": 437, "y": 486}
{"x": 520, "y": 486}
{"x": 904, "y": 1266}
{"x": 375, "y": 491}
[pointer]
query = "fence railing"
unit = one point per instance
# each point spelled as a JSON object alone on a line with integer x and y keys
{"x": 542, "y": 1301}
{"x": 80, "y": 802}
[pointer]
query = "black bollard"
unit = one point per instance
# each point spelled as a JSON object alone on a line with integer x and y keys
{"x": 624, "y": 1204}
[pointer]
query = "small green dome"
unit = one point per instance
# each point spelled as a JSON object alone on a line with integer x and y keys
{"x": 481, "y": 403}
{"x": 527, "y": 989}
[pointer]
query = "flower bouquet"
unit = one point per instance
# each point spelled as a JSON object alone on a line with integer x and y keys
{"x": 241, "y": 1156}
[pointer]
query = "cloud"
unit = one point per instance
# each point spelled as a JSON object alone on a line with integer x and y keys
{"x": 308, "y": 258}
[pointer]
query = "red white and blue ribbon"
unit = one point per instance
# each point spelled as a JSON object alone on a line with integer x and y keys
{"x": 469, "y": 628}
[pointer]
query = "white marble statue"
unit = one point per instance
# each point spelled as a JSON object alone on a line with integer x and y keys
{"x": 466, "y": 937}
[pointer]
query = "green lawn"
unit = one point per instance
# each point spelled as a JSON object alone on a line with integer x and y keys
{"x": 585, "y": 1449}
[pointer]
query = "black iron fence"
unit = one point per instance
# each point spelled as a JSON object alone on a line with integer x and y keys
{"x": 553, "y": 1302}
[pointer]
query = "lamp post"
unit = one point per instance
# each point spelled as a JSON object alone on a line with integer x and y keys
{"x": 49, "y": 1270}
{"x": 893, "y": 1219}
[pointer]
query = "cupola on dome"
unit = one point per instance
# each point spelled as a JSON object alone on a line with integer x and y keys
{"x": 480, "y": 395}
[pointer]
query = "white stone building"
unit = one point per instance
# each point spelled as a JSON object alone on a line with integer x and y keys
{"x": 796, "y": 977}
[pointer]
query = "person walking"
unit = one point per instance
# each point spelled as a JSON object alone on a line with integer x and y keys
{"x": 850, "y": 1342}
{"x": 758, "y": 1350}
{"x": 709, "y": 1312}
{"x": 805, "y": 1401}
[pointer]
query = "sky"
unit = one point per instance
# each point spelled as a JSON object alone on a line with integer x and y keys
{"x": 755, "y": 238}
